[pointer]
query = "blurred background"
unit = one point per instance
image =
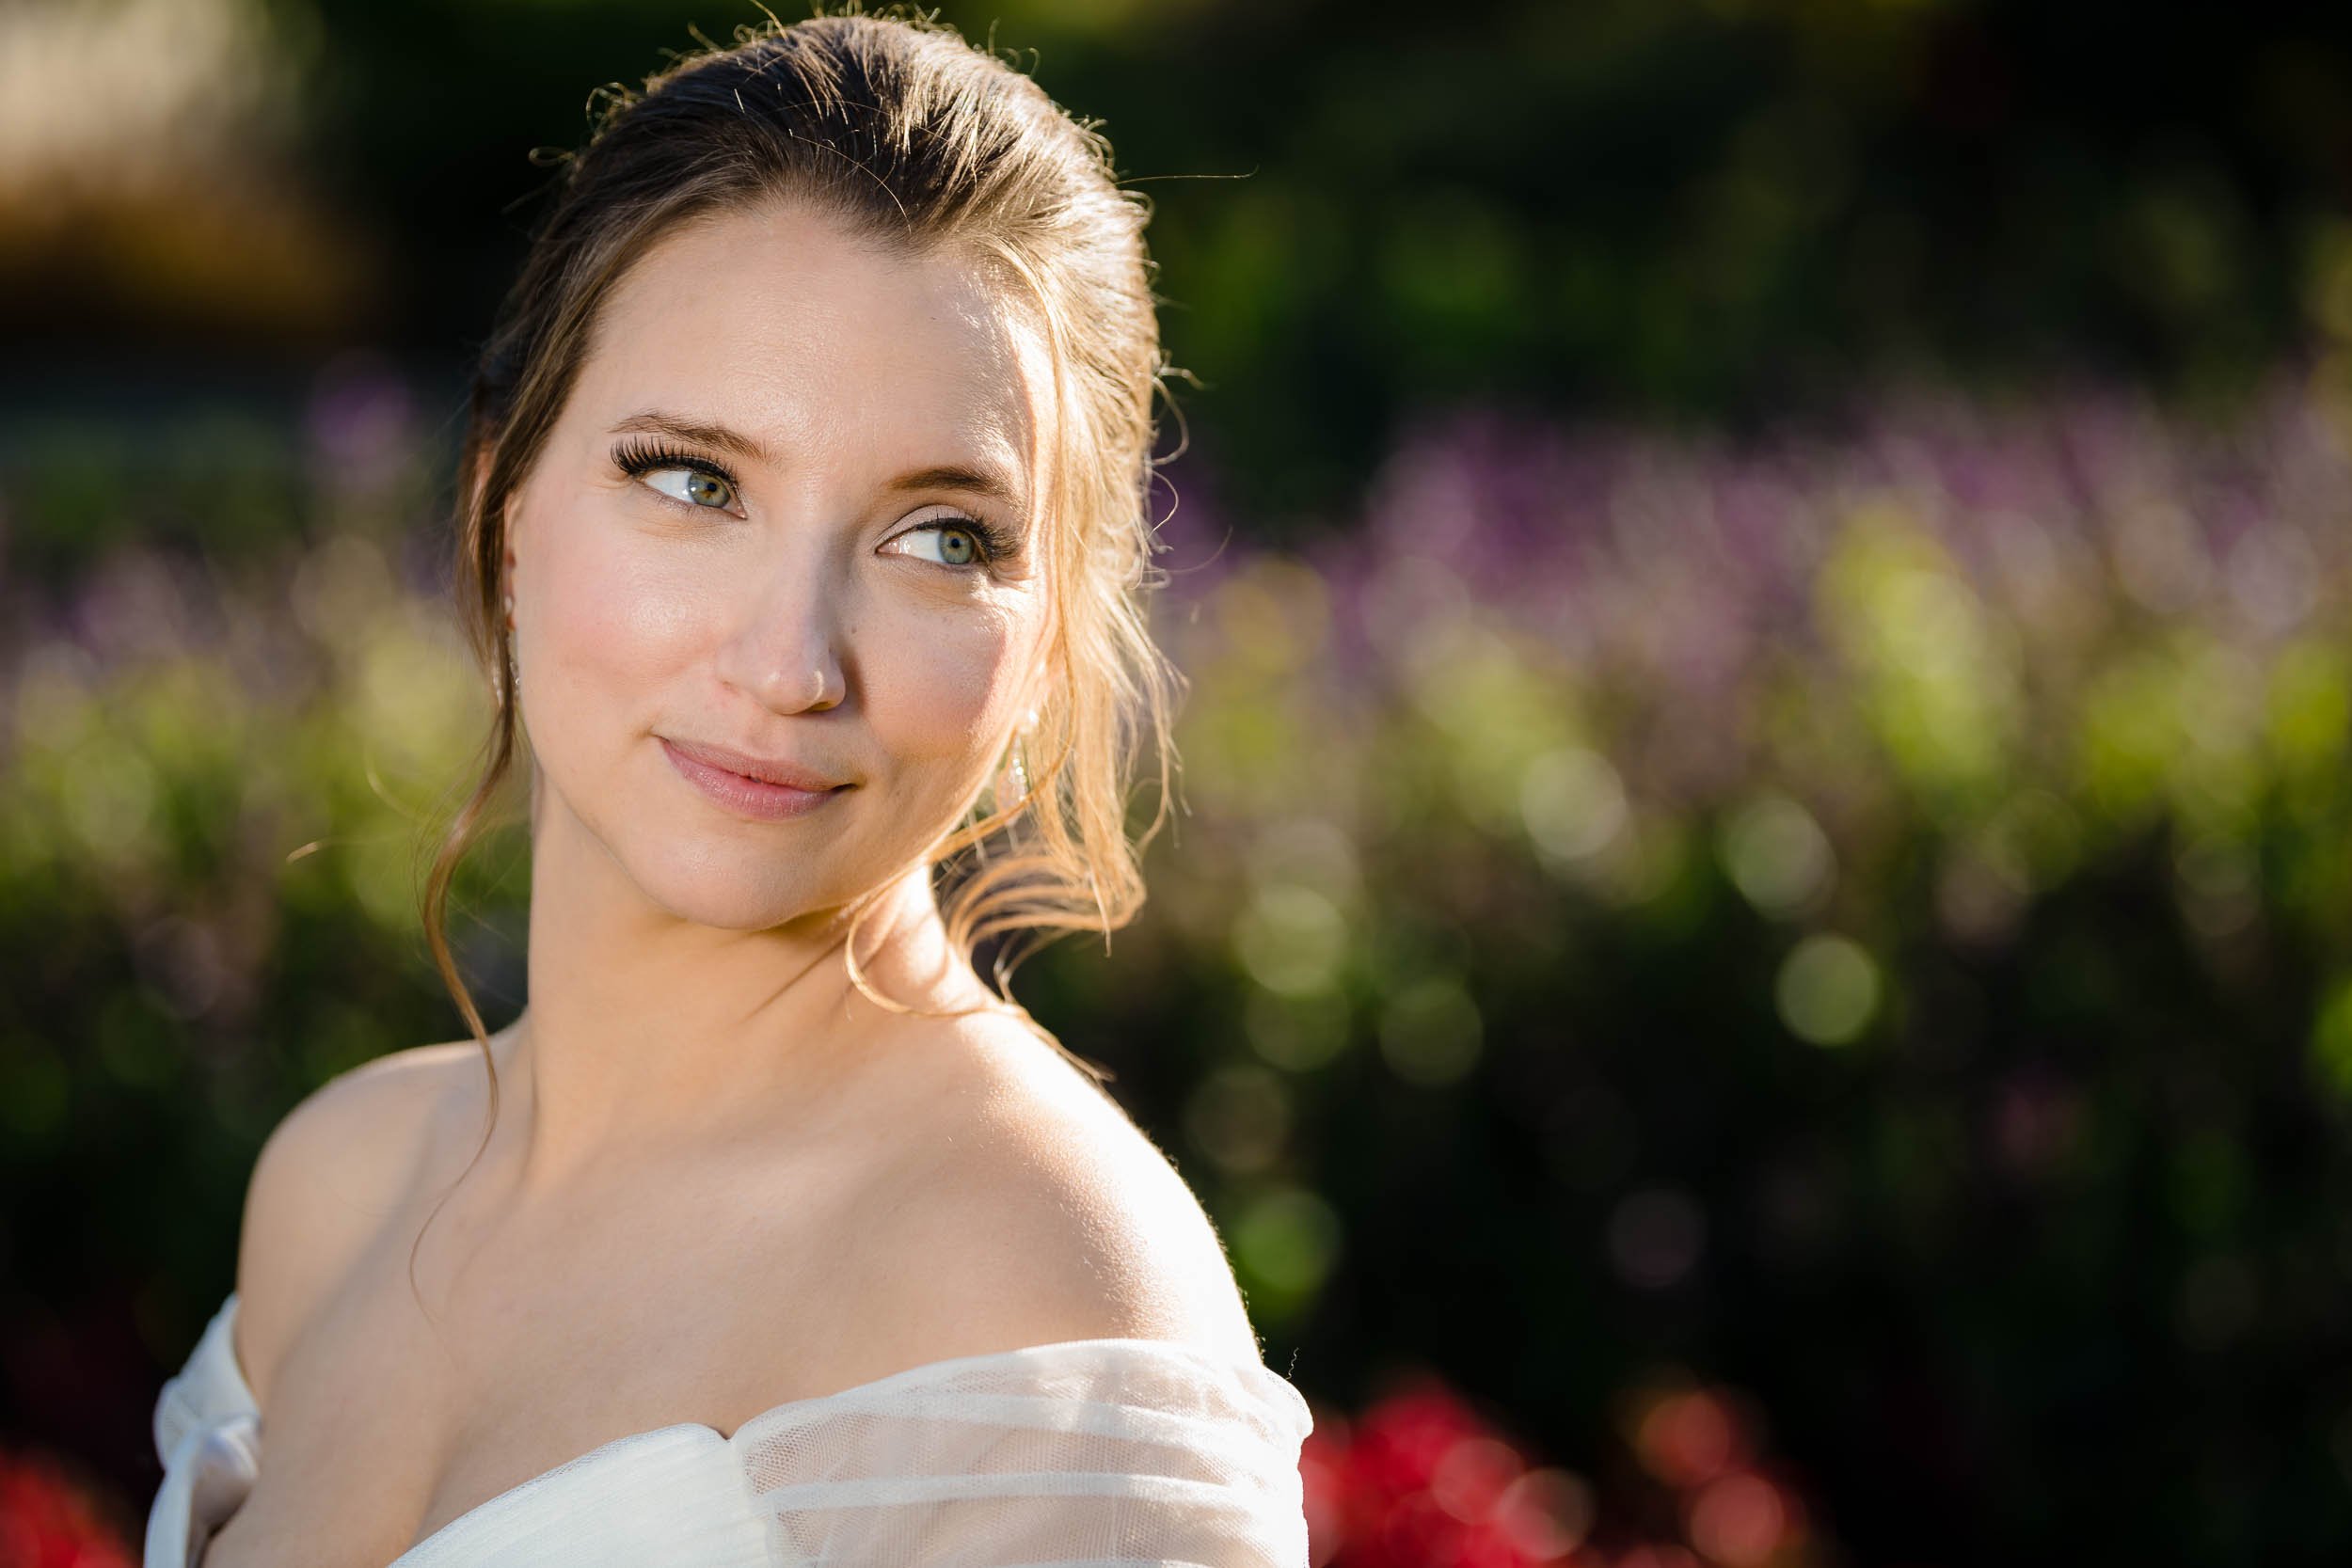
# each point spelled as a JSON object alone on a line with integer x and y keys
{"x": 1757, "y": 969}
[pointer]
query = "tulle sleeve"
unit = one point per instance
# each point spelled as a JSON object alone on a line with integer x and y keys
{"x": 1083, "y": 1454}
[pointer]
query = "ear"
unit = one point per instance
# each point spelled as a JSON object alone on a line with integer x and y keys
{"x": 506, "y": 543}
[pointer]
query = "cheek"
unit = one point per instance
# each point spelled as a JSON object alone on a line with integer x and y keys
{"x": 939, "y": 683}
{"x": 608, "y": 618}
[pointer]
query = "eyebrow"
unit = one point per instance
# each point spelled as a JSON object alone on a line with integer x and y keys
{"x": 988, "y": 482}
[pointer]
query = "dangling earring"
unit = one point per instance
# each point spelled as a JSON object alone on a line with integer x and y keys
{"x": 1019, "y": 753}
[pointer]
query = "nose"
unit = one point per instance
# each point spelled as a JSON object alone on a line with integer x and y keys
{"x": 783, "y": 650}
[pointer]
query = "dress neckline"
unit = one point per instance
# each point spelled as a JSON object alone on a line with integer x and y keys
{"x": 1271, "y": 1387}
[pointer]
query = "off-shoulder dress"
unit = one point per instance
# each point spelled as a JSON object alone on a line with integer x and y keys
{"x": 1083, "y": 1453}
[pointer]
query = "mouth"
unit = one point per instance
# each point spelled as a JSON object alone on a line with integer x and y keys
{"x": 752, "y": 786}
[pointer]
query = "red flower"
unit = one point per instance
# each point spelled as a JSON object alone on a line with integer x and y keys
{"x": 48, "y": 1520}
{"x": 1420, "y": 1481}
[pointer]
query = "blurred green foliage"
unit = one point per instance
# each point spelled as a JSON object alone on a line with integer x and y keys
{"x": 1865, "y": 916}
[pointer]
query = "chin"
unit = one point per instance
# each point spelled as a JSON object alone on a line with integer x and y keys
{"x": 728, "y": 887}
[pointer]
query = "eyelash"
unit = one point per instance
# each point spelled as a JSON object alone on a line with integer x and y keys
{"x": 635, "y": 458}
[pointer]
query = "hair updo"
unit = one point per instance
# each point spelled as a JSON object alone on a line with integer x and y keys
{"x": 915, "y": 138}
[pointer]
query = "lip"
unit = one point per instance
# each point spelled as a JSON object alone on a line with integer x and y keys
{"x": 750, "y": 786}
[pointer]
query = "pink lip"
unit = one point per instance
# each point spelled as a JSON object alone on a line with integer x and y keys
{"x": 779, "y": 790}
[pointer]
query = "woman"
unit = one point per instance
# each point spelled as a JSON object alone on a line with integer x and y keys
{"x": 803, "y": 530}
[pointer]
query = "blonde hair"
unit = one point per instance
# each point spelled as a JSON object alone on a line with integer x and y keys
{"x": 896, "y": 126}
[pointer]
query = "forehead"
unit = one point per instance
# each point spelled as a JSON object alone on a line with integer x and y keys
{"x": 823, "y": 345}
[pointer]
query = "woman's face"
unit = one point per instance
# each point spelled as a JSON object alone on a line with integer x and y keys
{"x": 827, "y": 438}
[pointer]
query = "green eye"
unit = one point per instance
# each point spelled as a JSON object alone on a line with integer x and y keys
{"x": 960, "y": 541}
{"x": 703, "y": 484}
{"x": 697, "y": 490}
{"x": 958, "y": 547}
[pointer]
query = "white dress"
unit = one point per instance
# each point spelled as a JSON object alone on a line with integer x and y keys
{"x": 1084, "y": 1453}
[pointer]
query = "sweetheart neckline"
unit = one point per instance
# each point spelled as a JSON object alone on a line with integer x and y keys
{"x": 1262, "y": 1379}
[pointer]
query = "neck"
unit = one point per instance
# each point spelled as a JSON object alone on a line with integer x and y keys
{"x": 647, "y": 1033}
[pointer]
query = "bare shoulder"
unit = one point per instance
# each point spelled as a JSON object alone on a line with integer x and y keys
{"x": 330, "y": 1174}
{"x": 1029, "y": 1209}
